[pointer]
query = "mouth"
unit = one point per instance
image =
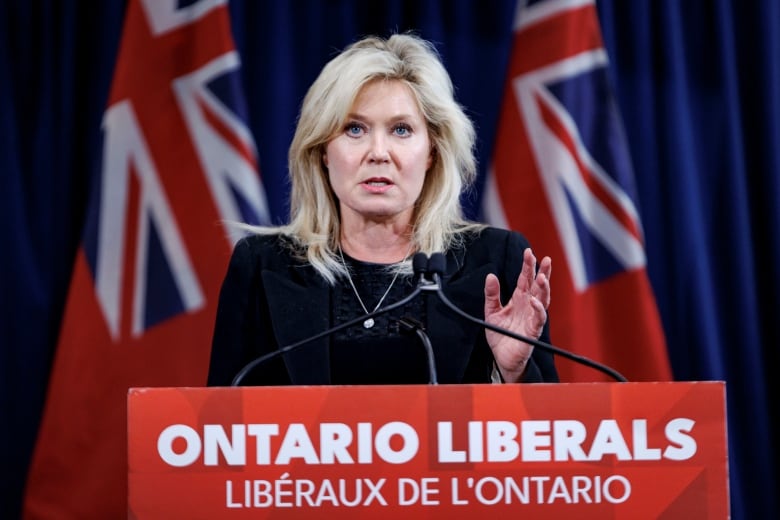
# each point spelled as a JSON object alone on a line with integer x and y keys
{"x": 377, "y": 182}
{"x": 377, "y": 185}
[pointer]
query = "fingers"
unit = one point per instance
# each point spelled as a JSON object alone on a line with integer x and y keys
{"x": 542, "y": 291}
{"x": 492, "y": 295}
{"x": 532, "y": 284}
{"x": 526, "y": 279}
{"x": 536, "y": 283}
{"x": 545, "y": 267}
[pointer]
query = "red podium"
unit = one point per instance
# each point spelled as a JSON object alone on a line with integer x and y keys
{"x": 580, "y": 450}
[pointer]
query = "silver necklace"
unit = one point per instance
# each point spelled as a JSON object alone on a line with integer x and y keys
{"x": 368, "y": 323}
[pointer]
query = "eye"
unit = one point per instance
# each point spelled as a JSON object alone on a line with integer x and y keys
{"x": 354, "y": 129}
{"x": 402, "y": 130}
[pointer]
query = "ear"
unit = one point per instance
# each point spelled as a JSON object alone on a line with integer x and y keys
{"x": 431, "y": 159}
{"x": 325, "y": 159}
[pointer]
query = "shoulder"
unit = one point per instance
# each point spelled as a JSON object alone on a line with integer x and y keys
{"x": 488, "y": 249}
{"x": 260, "y": 242}
{"x": 262, "y": 250}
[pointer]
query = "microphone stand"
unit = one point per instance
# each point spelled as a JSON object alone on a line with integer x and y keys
{"x": 412, "y": 325}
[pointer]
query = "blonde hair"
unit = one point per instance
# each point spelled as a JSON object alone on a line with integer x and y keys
{"x": 438, "y": 220}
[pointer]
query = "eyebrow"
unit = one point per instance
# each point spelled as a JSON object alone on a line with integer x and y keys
{"x": 394, "y": 119}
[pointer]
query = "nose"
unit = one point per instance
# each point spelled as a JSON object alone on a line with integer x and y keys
{"x": 379, "y": 151}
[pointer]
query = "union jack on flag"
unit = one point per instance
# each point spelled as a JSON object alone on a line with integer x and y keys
{"x": 562, "y": 175}
{"x": 178, "y": 163}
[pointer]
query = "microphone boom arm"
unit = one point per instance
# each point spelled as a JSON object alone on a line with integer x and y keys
{"x": 435, "y": 268}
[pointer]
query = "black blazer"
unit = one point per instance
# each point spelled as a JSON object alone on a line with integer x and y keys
{"x": 269, "y": 299}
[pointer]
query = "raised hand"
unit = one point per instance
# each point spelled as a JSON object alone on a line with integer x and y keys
{"x": 524, "y": 314}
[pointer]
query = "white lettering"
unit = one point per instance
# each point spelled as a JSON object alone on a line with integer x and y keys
{"x": 192, "y": 445}
{"x": 262, "y": 434}
{"x": 501, "y": 441}
{"x": 609, "y": 441}
{"x": 446, "y": 452}
{"x": 409, "y": 447}
{"x": 641, "y": 451}
{"x": 569, "y": 436}
{"x": 676, "y": 432}
{"x": 536, "y": 436}
{"x": 296, "y": 445}
{"x": 215, "y": 441}
{"x": 334, "y": 440}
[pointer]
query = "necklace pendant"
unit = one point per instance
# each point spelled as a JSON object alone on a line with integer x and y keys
{"x": 368, "y": 323}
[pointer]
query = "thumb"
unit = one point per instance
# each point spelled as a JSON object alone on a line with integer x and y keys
{"x": 492, "y": 295}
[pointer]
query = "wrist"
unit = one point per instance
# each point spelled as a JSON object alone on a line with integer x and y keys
{"x": 511, "y": 376}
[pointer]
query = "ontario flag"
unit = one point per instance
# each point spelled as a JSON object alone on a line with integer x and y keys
{"x": 561, "y": 174}
{"x": 178, "y": 162}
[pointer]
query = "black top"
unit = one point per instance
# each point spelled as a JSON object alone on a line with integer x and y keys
{"x": 272, "y": 299}
{"x": 382, "y": 353}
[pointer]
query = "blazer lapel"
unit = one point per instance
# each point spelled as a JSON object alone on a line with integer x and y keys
{"x": 465, "y": 290}
{"x": 293, "y": 299}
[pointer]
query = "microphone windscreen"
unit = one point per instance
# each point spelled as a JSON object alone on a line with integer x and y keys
{"x": 437, "y": 263}
{"x": 420, "y": 263}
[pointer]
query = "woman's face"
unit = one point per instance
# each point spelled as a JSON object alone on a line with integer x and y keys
{"x": 377, "y": 164}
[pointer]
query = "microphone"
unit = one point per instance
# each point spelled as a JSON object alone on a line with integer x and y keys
{"x": 419, "y": 266}
{"x": 437, "y": 266}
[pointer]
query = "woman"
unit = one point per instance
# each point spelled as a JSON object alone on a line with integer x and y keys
{"x": 380, "y": 155}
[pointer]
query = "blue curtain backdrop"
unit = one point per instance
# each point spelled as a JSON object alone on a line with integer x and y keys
{"x": 698, "y": 84}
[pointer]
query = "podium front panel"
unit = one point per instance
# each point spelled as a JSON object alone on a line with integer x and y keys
{"x": 580, "y": 450}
